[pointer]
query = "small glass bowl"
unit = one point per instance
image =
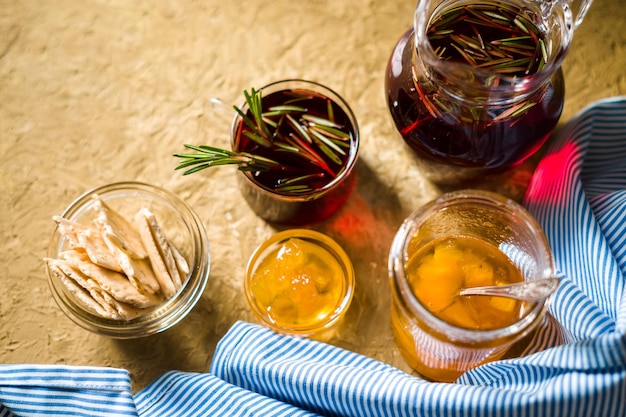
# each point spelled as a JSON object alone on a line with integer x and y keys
{"x": 183, "y": 229}
{"x": 316, "y": 246}
{"x": 299, "y": 209}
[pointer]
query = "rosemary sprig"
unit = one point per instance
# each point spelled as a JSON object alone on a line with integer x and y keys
{"x": 491, "y": 37}
{"x": 208, "y": 156}
{"x": 499, "y": 39}
{"x": 286, "y": 129}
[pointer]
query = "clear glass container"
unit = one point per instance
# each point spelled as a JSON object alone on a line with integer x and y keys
{"x": 476, "y": 87}
{"x": 435, "y": 347}
{"x": 299, "y": 208}
{"x": 300, "y": 282}
{"x": 183, "y": 229}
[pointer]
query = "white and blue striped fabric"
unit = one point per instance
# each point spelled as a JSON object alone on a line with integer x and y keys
{"x": 575, "y": 365}
{"x": 35, "y": 390}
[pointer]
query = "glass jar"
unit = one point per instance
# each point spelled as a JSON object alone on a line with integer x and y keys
{"x": 439, "y": 342}
{"x": 476, "y": 87}
{"x": 324, "y": 198}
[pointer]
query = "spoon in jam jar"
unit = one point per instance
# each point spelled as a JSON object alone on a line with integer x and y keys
{"x": 532, "y": 291}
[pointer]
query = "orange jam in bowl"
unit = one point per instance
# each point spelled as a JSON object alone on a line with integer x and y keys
{"x": 299, "y": 282}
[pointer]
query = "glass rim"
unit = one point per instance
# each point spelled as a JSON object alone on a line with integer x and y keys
{"x": 347, "y": 168}
{"x": 398, "y": 257}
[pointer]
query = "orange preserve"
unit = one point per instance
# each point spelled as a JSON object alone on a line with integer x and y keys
{"x": 439, "y": 270}
{"x": 462, "y": 239}
{"x": 436, "y": 272}
{"x": 298, "y": 282}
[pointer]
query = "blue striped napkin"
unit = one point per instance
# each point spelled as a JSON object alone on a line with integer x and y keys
{"x": 575, "y": 365}
{"x": 36, "y": 390}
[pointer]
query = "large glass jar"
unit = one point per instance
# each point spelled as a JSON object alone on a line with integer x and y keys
{"x": 476, "y": 87}
{"x": 440, "y": 333}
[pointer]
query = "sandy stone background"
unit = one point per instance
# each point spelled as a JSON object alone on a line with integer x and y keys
{"x": 99, "y": 91}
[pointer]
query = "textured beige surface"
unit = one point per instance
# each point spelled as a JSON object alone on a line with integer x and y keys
{"x": 96, "y": 91}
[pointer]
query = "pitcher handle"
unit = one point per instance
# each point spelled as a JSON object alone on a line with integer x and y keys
{"x": 579, "y": 10}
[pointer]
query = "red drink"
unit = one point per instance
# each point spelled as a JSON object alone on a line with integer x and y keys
{"x": 460, "y": 134}
{"x": 316, "y": 173}
{"x": 311, "y": 184}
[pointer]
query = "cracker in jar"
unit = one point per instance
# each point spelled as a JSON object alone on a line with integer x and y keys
{"x": 118, "y": 230}
{"x": 88, "y": 239}
{"x": 159, "y": 252}
{"x": 114, "y": 283}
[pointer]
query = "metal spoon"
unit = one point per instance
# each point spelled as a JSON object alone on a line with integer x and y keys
{"x": 532, "y": 291}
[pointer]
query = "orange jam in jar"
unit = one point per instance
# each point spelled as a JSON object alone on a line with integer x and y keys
{"x": 299, "y": 282}
{"x": 465, "y": 238}
{"x": 438, "y": 271}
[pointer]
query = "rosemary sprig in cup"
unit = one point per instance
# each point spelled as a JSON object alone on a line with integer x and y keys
{"x": 208, "y": 156}
{"x": 287, "y": 140}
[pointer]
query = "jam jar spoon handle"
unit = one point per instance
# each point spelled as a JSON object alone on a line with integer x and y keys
{"x": 532, "y": 291}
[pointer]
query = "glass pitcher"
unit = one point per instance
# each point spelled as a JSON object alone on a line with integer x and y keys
{"x": 476, "y": 87}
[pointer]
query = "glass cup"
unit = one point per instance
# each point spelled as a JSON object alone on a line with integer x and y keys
{"x": 299, "y": 208}
{"x": 299, "y": 282}
{"x": 439, "y": 345}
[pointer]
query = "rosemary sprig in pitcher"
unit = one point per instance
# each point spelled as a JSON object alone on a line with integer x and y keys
{"x": 496, "y": 37}
{"x": 501, "y": 42}
{"x": 296, "y": 142}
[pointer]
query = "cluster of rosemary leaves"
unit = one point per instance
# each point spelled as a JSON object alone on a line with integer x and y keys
{"x": 281, "y": 130}
{"x": 494, "y": 37}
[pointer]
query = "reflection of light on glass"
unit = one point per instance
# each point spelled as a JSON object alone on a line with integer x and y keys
{"x": 546, "y": 184}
